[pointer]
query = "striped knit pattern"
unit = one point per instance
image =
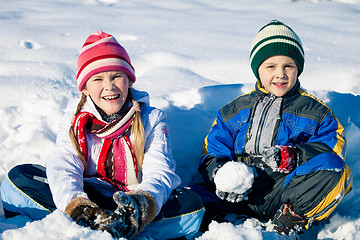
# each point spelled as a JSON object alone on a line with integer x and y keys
{"x": 101, "y": 52}
{"x": 276, "y": 38}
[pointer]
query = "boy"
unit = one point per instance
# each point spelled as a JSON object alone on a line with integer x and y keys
{"x": 290, "y": 139}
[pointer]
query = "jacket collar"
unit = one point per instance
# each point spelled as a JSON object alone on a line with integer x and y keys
{"x": 260, "y": 89}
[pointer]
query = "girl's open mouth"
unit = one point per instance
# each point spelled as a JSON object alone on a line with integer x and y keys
{"x": 113, "y": 97}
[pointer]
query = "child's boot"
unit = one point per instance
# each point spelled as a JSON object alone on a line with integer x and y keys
{"x": 286, "y": 220}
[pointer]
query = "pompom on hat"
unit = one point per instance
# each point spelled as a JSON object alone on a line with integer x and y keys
{"x": 101, "y": 52}
{"x": 276, "y": 38}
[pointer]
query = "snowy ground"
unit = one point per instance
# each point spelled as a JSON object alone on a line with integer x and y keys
{"x": 192, "y": 57}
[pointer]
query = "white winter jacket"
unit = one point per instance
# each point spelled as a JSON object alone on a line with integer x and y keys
{"x": 65, "y": 171}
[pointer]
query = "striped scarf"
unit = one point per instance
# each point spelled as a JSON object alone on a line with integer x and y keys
{"x": 113, "y": 160}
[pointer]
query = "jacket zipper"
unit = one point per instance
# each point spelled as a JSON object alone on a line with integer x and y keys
{"x": 248, "y": 133}
{"x": 262, "y": 122}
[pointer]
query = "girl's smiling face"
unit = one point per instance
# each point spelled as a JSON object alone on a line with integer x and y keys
{"x": 108, "y": 90}
{"x": 278, "y": 74}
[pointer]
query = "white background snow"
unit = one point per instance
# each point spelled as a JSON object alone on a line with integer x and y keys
{"x": 192, "y": 57}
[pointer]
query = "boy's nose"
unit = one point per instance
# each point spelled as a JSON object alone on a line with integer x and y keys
{"x": 280, "y": 73}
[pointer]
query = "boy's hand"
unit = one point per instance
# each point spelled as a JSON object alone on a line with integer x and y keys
{"x": 232, "y": 196}
{"x": 233, "y": 181}
{"x": 279, "y": 158}
{"x": 287, "y": 159}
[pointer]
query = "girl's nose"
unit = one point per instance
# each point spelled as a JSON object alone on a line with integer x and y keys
{"x": 108, "y": 84}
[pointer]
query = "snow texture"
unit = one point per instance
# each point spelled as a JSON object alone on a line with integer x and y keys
{"x": 234, "y": 177}
{"x": 192, "y": 56}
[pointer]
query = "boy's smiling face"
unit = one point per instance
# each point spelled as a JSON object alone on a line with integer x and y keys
{"x": 278, "y": 74}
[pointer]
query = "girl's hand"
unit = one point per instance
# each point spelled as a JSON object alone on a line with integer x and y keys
{"x": 137, "y": 209}
{"x": 86, "y": 213}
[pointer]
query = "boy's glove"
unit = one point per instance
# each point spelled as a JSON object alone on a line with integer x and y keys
{"x": 233, "y": 181}
{"x": 279, "y": 158}
{"x": 232, "y": 196}
{"x": 286, "y": 220}
{"x": 137, "y": 209}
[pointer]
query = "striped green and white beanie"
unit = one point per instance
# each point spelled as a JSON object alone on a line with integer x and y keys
{"x": 276, "y": 38}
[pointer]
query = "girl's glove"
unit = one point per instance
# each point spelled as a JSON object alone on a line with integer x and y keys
{"x": 279, "y": 158}
{"x": 137, "y": 209}
{"x": 233, "y": 181}
{"x": 87, "y": 213}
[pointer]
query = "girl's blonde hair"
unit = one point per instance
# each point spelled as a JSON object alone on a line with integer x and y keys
{"x": 137, "y": 130}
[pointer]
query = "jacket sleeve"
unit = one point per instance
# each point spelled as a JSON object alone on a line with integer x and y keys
{"x": 64, "y": 169}
{"x": 158, "y": 169}
{"x": 328, "y": 138}
{"x": 325, "y": 151}
{"x": 218, "y": 148}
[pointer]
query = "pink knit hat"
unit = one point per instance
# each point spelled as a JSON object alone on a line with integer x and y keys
{"x": 101, "y": 52}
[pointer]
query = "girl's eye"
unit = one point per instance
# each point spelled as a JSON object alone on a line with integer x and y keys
{"x": 95, "y": 78}
{"x": 118, "y": 76}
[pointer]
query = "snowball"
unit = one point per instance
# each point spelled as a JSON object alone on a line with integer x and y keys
{"x": 234, "y": 177}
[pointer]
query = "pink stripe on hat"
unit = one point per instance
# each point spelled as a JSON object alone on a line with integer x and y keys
{"x": 103, "y": 65}
{"x": 101, "y": 52}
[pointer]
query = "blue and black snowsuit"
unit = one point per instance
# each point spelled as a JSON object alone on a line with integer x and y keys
{"x": 254, "y": 121}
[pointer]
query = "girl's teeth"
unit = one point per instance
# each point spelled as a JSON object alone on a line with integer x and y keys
{"x": 111, "y": 97}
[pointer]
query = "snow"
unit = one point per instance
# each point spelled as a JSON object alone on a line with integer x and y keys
{"x": 58, "y": 225}
{"x": 234, "y": 177}
{"x": 192, "y": 56}
{"x": 229, "y": 231}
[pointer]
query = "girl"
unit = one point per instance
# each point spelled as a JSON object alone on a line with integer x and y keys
{"x": 112, "y": 168}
